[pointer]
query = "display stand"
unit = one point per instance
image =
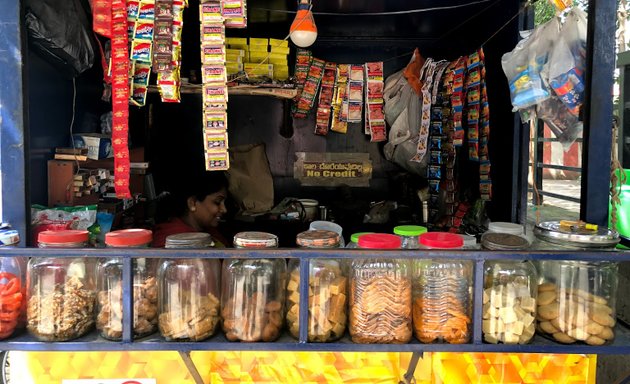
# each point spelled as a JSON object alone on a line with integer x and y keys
{"x": 93, "y": 342}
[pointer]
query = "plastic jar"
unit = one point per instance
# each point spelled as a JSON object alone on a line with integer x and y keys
{"x": 12, "y": 282}
{"x": 61, "y": 291}
{"x": 354, "y": 239}
{"x": 380, "y": 294}
{"x": 252, "y": 293}
{"x": 576, "y": 301}
{"x": 109, "y": 287}
{"x": 327, "y": 291}
{"x": 509, "y": 301}
{"x": 442, "y": 293}
{"x": 188, "y": 291}
{"x": 409, "y": 235}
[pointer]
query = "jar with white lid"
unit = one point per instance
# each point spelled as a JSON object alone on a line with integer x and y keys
{"x": 253, "y": 291}
{"x": 61, "y": 291}
{"x": 328, "y": 293}
{"x": 109, "y": 287}
{"x": 409, "y": 235}
{"x": 442, "y": 293}
{"x": 380, "y": 294}
{"x": 188, "y": 291}
{"x": 506, "y": 227}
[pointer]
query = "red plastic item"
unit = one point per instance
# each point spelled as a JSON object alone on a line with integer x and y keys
{"x": 379, "y": 241}
{"x": 129, "y": 238}
{"x": 441, "y": 240}
{"x": 62, "y": 237}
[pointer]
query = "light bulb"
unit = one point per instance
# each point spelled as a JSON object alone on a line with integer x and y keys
{"x": 303, "y": 31}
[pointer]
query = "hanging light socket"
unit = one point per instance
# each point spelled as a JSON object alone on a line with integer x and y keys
{"x": 303, "y": 31}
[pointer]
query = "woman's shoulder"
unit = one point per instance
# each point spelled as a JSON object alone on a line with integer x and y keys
{"x": 167, "y": 228}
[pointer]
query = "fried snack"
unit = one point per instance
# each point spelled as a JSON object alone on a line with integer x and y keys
{"x": 326, "y": 306}
{"x": 63, "y": 313}
{"x": 192, "y": 318}
{"x": 260, "y": 319}
{"x": 571, "y": 315}
{"x": 380, "y": 309}
{"x": 109, "y": 318}
{"x": 508, "y": 313}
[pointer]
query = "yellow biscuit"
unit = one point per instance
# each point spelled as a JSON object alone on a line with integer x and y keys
{"x": 563, "y": 338}
{"x": 546, "y": 297}
{"x": 606, "y": 334}
{"x": 549, "y": 311}
{"x": 546, "y": 287}
{"x": 594, "y": 340}
{"x": 547, "y": 327}
{"x": 603, "y": 319}
{"x": 593, "y": 328}
{"x": 578, "y": 334}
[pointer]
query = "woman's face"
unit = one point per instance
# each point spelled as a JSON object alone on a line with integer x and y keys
{"x": 209, "y": 211}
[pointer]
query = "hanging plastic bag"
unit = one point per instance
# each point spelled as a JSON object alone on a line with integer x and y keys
{"x": 568, "y": 60}
{"x": 524, "y": 64}
{"x": 564, "y": 125}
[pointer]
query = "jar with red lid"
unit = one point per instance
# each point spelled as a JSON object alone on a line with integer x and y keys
{"x": 188, "y": 291}
{"x": 380, "y": 294}
{"x": 61, "y": 291}
{"x": 109, "y": 287}
{"x": 252, "y": 295}
{"x": 442, "y": 293}
{"x": 327, "y": 293}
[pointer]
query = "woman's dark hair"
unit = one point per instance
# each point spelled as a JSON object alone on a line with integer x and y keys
{"x": 198, "y": 185}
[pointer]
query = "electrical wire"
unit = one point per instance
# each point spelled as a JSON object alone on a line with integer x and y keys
{"x": 69, "y": 187}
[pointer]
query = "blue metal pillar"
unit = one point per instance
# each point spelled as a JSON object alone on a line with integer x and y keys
{"x": 600, "y": 61}
{"x": 13, "y": 183}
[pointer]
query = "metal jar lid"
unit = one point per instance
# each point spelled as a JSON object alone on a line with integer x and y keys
{"x": 318, "y": 239}
{"x": 552, "y": 232}
{"x": 503, "y": 242}
{"x": 255, "y": 240}
{"x": 189, "y": 240}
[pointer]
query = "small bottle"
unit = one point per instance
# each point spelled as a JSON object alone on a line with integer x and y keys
{"x": 409, "y": 235}
{"x": 61, "y": 291}
{"x": 376, "y": 317}
{"x": 109, "y": 286}
{"x": 252, "y": 294}
{"x": 328, "y": 290}
{"x": 188, "y": 291}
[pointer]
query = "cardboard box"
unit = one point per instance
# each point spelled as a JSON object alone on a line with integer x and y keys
{"x": 98, "y": 146}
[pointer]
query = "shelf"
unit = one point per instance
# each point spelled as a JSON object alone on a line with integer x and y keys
{"x": 240, "y": 90}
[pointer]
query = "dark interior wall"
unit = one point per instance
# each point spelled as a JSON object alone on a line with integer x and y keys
{"x": 172, "y": 134}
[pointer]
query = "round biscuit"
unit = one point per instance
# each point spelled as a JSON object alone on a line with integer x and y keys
{"x": 606, "y": 334}
{"x": 549, "y": 311}
{"x": 546, "y": 287}
{"x": 563, "y": 338}
{"x": 594, "y": 340}
{"x": 546, "y": 297}
{"x": 547, "y": 327}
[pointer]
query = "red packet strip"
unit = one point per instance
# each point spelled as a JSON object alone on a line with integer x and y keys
{"x": 311, "y": 86}
{"x": 355, "y": 94}
{"x": 375, "y": 118}
{"x": 303, "y": 60}
{"x": 340, "y": 94}
{"x": 457, "y": 101}
{"x": 120, "y": 98}
{"x": 326, "y": 94}
{"x": 485, "y": 183}
{"x": 102, "y": 16}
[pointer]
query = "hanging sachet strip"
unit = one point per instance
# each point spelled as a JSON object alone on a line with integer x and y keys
{"x": 485, "y": 182}
{"x": 163, "y": 37}
{"x": 102, "y": 17}
{"x": 448, "y": 147}
{"x": 473, "y": 106}
{"x": 141, "y": 27}
{"x": 303, "y": 60}
{"x": 426, "y": 74}
{"x": 355, "y": 94}
{"x": 324, "y": 109}
{"x": 235, "y": 13}
{"x": 311, "y": 86}
{"x": 457, "y": 101}
{"x": 340, "y": 102}
{"x": 120, "y": 97}
{"x": 375, "y": 117}
{"x": 169, "y": 81}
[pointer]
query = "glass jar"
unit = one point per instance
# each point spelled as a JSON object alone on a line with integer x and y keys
{"x": 61, "y": 291}
{"x": 354, "y": 239}
{"x": 442, "y": 293}
{"x": 12, "y": 296}
{"x": 409, "y": 235}
{"x": 252, "y": 294}
{"x": 109, "y": 287}
{"x": 327, "y": 292}
{"x": 188, "y": 291}
{"x": 576, "y": 301}
{"x": 509, "y": 301}
{"x": 380, "y": 294}
{"x": 550, "y": 235}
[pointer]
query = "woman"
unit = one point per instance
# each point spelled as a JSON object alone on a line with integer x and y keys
{"x": 198, "y": 203}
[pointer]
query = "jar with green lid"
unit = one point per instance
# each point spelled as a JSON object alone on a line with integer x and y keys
{"x": 380, "y": 294}
{"x": 61, "y": 291}
{"x": 409, "y": 235}
{"x": 354, "y": 240}
{"x": 327, "y": 297}
{"x": 252, "y": 294}
{"x": 442, "y": 293}
{"x": 188, "y": 291}
{"x": 109, "y": 287}
{"x": 509, "y": 301}
{"x": 577, "y": 300}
